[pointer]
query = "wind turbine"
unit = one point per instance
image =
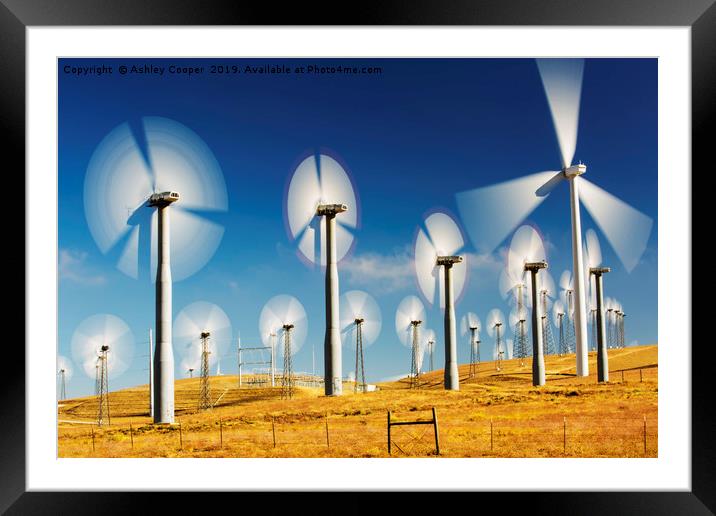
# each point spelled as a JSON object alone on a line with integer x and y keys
{"x": 202, "y": 333}
{"x": 470, "y": 323}
{"x": 64, "y": 373}
{"x": 360, "y": 315}
{"x": 103, "y": 345}
{"x": 408, "y": 318}
{"x": 435, "y": 262}
{"x": 626, "y": 228}
{"x": 429, "y": 339}
{"x": 283, "y": 317}
{"x": 319, "y": 191}
{"x": 527, "y": 254}
{"x": 495, "y": 322}
{"x": 594, "y": 261}
{"x": 160, "y": 164}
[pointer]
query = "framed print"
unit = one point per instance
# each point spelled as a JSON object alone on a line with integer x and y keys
{"x": 430, "y": 251}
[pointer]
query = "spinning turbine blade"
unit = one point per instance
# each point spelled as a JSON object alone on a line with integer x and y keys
{"x": 196, "y": 318}
{"x": 281, "y": 310}
{"x": 191, "y": 247}
{"x": 443, "y": 238}
{"x": 103, "y": 330}
{"x": 626, "y": 228}
{"x": 121, "y": 177}
{"x": 409, "y": 309}
{"x": 320, "y": 180}
{"x": 63, "y": 363}
{"x": 357, "y": 304}
{"x": 593, "y": 249}
{"x": 514, "y": 200}
{"x": 493, "y": 318}
{"x": 304, "y": 195}
{"x": 562, "y": 81}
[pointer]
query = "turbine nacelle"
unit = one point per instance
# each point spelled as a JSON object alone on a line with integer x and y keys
{"x": 288, "y": 327}
{"x": 598, "y": 271}
{"x": 416, "y": 323}
{"x": 359, "y": 320}
{"x": 163, "y": 199}
{"x": 330, "y": 209}
{"x": 535, "y": 266}
{"x": 448, "y": 261}
{"x": 205, "y": 334}
{"x": 575, "y": 170}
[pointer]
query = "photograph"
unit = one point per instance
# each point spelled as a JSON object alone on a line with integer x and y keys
{"x": 357, "y": 257}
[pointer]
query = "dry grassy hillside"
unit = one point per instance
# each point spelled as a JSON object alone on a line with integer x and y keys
{"x": 496, "y": 414}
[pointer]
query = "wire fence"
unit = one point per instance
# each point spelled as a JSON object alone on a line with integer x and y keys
{"x": 367, "y": 436}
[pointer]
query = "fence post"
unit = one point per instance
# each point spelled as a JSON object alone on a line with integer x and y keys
{"x": 273, "y": 430}
{"x": 622, "y": 375}
{"x": 131, "y": 435}
{"x": 435, "y": 425}
{"x": 641, "y": 377}
{"x": 492, "y": 440}
{"x": 221, "y": 434}
{"x": 645, "y": 434}
{"x": 564, "y": 433}
{"x": 389, "y": 448}
{"x": 181, "y": 438}
{"x": 328, "y": 442}
{"x": 92, "y": 429}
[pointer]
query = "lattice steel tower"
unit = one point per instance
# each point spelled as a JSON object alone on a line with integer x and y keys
{"x": 360, "y": 367}
{"x": 498, "y": 346}
{"x": 103, "y": 410}
{"x": 204, "y": 388}
{"x": 570, "y": 335}
{"x": 287, "y": 379}
{"x": 563, "y": 348}
{"x": 415, "y": 349}
{"x": 547, "y": 336}
{"x": 520, "y": 329}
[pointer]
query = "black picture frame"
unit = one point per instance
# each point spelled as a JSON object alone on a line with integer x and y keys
{"x": 17, "y": 15}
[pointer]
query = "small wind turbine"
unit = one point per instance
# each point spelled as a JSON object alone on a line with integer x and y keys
{"x": 470, "y": 323}
{"x": 320, "y": 189}
{"x": 202, "y": 333}
{"x": 103, "y": 345}
{"x": 408, "y": 318}
{"x": 283, "y": 316}
{"x": 495, "y": 321}
{"x": 360, "y": 314}
{"x": 626, "y": 229}
{"x": 64, "y": 374}
{"x": 430, "y": 339}
{"x": 437, "y": 263}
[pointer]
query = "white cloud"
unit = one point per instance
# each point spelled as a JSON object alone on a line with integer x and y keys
{"x": 382, "y": 273}
{"x": 72, "y": 267}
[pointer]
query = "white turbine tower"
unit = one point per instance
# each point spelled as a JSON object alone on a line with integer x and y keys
{"x": 495, "y": 328}
{"x": 283, "y": 327}
{"x": 319, "y": 191}
{"x": 408, "y": 318}
{"x": 158, "y": 165}
{"x": 527, "y": 254}
{"x": 360, "y": 324}
{"x": 202, "y": 334}
{"x": 626, "y": 229}
{"x": 429, "y": 340}
{"x": 436, "y": 263}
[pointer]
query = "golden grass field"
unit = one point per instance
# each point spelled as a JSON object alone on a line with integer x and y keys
{"x": 495, "y": 414}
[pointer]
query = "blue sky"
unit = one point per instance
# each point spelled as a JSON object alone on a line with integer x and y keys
{"x": 411, "y": 137}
